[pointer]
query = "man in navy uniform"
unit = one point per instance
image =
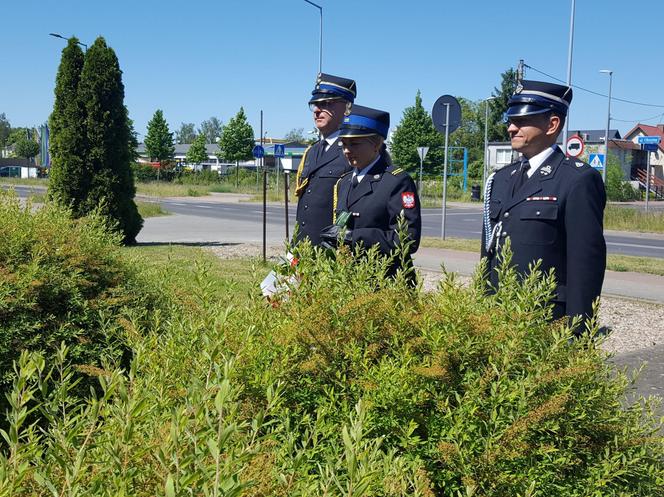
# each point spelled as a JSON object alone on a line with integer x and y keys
{"x": 323, "y": 163}
{"x": 376, "y": 194}
{"x": 550, "y": 206}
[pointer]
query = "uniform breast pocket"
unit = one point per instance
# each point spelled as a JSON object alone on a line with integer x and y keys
{"x": 539, "y": 223}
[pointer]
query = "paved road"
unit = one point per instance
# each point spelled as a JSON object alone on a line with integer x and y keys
{"x": 461, "y": 222}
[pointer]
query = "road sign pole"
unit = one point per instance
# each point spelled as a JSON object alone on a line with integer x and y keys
{"x": 264, "y": 197}
{"x": 277, "y": 160}
{"x": 420, "y": 185}
{"x": 447, "y": 136}
{"x": 286, "y": 185}
{"x": 647, "y": 178}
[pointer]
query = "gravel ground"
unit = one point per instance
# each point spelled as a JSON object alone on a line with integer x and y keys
{"x": 635, "y": 325}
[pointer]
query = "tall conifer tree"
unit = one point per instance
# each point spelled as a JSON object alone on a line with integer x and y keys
{"x": 159, "y": 140}
{"x": 109, "y": 139}
{"x": 70, "y": 174}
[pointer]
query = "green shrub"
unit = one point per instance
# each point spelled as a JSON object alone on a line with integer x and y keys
{"x": 352, "y": 385}
{"x": 63, "y": 281}
{"x": 205, "y": 177}
{"x": 617, "y": 189}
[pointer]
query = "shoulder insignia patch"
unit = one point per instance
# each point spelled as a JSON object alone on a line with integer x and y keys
{"x": 376, "y": 176}
{"x": 579, "y": 164}
{"x": 513, "y": 172}
{"x": 397, "y": 171}
{"x": 408, "y": 200}
{"x": 546, "y": 170}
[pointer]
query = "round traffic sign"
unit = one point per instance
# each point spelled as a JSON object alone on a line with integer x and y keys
{"x": 258, "y": 151}
{"x": 574, "y": 146}
{"x": 439, "y": 113}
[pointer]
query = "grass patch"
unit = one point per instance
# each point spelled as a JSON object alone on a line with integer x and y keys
{"x": 623, "y": 263}
{"x": 25, "y": 181}
{"x": 151, "y": 209}
{"x": 463, "y": 244}
{"x": 614, "y": 262}
{"x": 633, "y": 219}
{"x": 165, "y": 189}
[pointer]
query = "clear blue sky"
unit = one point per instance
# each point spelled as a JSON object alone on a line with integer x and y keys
{"x": 199, "y": 59}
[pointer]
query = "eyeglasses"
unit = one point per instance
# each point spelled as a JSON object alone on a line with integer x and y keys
{"x": 324, "y": 104}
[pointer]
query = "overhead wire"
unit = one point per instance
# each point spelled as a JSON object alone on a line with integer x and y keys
{"x": 596, "y": 92}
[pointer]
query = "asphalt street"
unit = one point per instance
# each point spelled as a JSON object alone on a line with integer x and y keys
{"x": 461, "y": 222}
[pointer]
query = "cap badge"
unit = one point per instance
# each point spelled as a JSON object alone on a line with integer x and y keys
{"x": 545, "y": 171}
{"x": 518, "y": 89}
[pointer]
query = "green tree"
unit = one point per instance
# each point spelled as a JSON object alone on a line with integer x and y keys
{"x": 498, "y": 106}
{"x": 186, "y": 133}
{"x": 416, "y": 130}
{"x": 159, "y": 140}
{"x": 70, "y": 173}
{"x": 470, "y": 135}
{"x": 296, "y": 135}
{"x": 197, "y": 152}
{"x": 211, "y": 129}
{"x": 5, "y": 128}
{"x": 16, "y": 135}
{"x": 109, "y": 140}
{"x": 27, "y": 148}
{"x": 237, "y": 141}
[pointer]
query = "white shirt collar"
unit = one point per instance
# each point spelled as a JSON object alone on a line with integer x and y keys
{"x": 539, "y": 159}
{"x": 363, "y": 172}
{"x": 331, "y": 139}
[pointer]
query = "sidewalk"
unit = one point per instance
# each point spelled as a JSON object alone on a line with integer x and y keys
{"x": 639, "y": 286}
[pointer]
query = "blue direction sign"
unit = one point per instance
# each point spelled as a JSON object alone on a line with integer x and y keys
{"x": 596, "y": 160}
{"x": 649, "y": 147}
{"x": 279, "y": 151}
{"x": 648, "y": 140}
{"x": 258, "y": 152}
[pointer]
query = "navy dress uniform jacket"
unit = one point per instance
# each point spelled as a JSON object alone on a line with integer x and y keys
{"x": 556, "y": 216}
{"x": 376, "y": 204}
{"x": 317, "y": 176}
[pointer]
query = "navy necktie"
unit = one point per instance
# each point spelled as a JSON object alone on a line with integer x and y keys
{"x": 523, "y": 175}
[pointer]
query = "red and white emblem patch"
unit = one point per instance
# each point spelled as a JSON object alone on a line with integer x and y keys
{"x": 408, "y": 200}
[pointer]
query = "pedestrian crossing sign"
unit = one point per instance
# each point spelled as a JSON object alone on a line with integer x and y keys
{"x": 596, "y": 160}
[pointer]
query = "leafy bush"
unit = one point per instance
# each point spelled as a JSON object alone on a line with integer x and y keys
{"x": 205, "y": 177}
{"x": 617, "y": 189}
{"x": 62, "y": 281}
{"x": 354, "y": 385}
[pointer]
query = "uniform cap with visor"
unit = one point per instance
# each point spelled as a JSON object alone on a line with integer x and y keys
{"x": 330, "y": 87}
{"x": 364, "y": 121}
{"x": 538, "y": 97}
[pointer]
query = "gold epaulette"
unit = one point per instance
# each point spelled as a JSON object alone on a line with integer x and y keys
{"x": 299, "y": 184}
{"x": 397, "y": 171}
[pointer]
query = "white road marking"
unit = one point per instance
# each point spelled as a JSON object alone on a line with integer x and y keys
{"x": 635, "y": 245}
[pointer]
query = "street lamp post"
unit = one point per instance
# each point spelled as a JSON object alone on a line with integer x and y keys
{"x": 320, "y": 40}
{"x": 608, "y": 125}
{"x": 56, "y": 35}
{"x": 569, "y": 65}
{"x": 485, "y": 170}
